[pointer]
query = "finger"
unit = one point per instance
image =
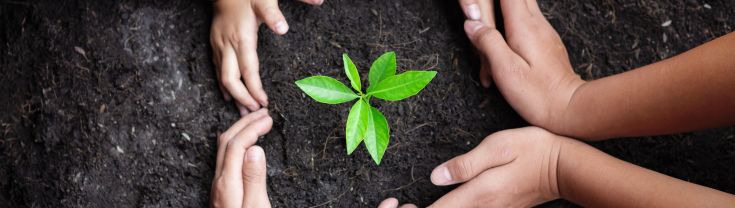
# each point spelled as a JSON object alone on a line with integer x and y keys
{"x": 231, "y": 80}
{"x": 489, "y": 41}
{"x": 235, "y": 150}
{"x": 225, "y": 137}
{"x": 490, "y": 153}
{"x": 471, "y": 9}
{"x": 269, "y": 12}
{"x": 216, "y": 58}
{"x": 247, "y": 58}
{"x": 313, "y": 2}
{"x": 242, "y": 110}
{"x": 533, "y": 8}
{"x": 389, "y": 203}
{"x": 514, "y": 11}
{"x": 488, "y": 14}
{"x": 254, "y": 178}
{"x": 408, "y": 206}
{"x": 469, "y": 194}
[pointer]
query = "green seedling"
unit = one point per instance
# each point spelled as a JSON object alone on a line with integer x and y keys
{"x": 364, "y": 122}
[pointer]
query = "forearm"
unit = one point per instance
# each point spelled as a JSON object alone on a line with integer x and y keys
{"x": 694, "y": 90}
{"x": 592, "y": 178}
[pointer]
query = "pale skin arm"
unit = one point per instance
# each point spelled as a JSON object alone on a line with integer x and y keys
{"x": 691, "y": 91}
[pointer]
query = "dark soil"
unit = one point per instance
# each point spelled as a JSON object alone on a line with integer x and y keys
{"x": 116, "y": 104}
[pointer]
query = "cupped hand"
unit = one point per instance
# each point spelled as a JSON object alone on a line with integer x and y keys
{"x": 234, "y": 37}
{"x": 240, "y": 176}
{"x": 531, "y": 68}
{"x": 512, "y": 168}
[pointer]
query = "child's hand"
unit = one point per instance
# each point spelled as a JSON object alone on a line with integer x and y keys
{"x": 512, "y": 168}
{"x": 240, "y": 176}
{"x": 531, "y": 68}
{"x": 234, "y": 37}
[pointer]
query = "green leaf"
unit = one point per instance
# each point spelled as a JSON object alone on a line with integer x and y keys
{"x": 377, "y": 135}
{"x": 325, "y": 89}
{"x": 357, "y": 122}
{"x": 383, "y": 67}
{"x": 351, "y": 72}
{"x": 402, "y": 86}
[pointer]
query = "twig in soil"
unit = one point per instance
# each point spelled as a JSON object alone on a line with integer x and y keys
{"x": 402, "y": 187}
{"x": 462, "y": 131}
{"x": 324, "y": 149}
{"x": 335, "y": 199}
{"x": 421, "y": 125}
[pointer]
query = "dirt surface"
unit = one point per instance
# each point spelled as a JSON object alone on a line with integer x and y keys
{"x": 116, "y": 104}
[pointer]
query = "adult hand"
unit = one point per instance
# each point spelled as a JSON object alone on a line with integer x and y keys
{"x": 234, "y": 39}
{"x": 512, "y": 168}
{"x": 240, "y": 176}
{"x": 531, "y": 68}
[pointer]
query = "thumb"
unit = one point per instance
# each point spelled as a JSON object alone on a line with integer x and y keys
{"x": 488, "y": 41}
{"x": 254, "y": 178}
{"x": 487, "y": 155}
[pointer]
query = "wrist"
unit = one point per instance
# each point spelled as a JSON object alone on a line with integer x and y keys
{"x": 562, "y": 116}
{"x": 570, "y": 157}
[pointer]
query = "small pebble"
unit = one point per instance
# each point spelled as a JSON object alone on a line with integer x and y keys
{"x": 666, "y": 24}
{"x": 707, "y": 6}
{"x": 120, "y": 150}
{"x": 186, "y": 136}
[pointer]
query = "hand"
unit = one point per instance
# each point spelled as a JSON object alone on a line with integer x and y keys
{"x": 234, "y": 39}
{"x": 512, "y": 168}
{"x": 240, "y": 177}
{"x": 393, "y": 203}
{"x": 531, "y": 68}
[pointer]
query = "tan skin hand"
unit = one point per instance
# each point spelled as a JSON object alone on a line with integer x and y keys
{"x": 234, "y": 36}
{"x": 531, "y": 68}
{"x": 240, "y": 176}
{"x": 512, "y": 168}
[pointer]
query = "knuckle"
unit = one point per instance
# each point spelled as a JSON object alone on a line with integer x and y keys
{"x": 253, "y": 176}
{"x": 223, "y": 138}
{"x": 461, "y": 169}
{"x": 227, "y": 81}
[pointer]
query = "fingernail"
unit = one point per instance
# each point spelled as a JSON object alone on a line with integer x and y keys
{"x": 281, "y": 27}
{"x": 441, "y": 176}
{"x": 255, "y": 153}
{"x": 473, "y": 12}
{"x": 472, "y": 26}
{"x": 243, "y": 111}
{"x": 318, "y": 2}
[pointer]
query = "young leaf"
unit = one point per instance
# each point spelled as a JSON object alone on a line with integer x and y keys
{"x": 326, "y": 90}
{"x": 377, "y": 135}
{"x": 357, "y": 122}
{"x": 383, "y": 67}
{"x": 351, "y": 72}
{"x": 401, "y": 86}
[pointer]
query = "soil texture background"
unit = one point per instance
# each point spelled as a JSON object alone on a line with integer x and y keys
{"x": 115, "y": 103}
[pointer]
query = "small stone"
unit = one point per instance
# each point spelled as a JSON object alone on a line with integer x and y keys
{"x": 80, "y": 51}
{"x": 666, "y": 24}
{"x": 186, "y": 136}
{"x": 707, "y": 6}
{"x": 119, "y": 150}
